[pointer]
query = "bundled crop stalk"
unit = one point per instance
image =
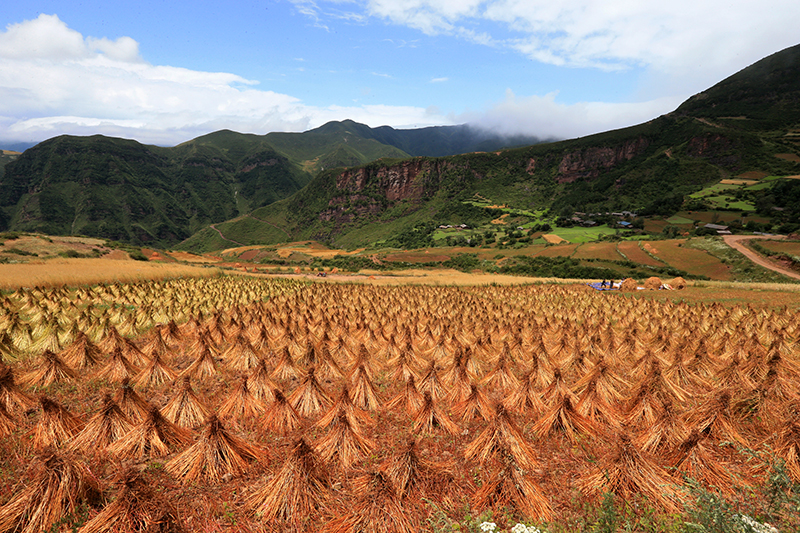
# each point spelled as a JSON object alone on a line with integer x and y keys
{"x": 155, "y": 436}
{"x": 156, "y": 373}
{"x": 296, "y": 493}
{"x": 56, "y": 425}
{"x": 53, "y": 487}
{"x": 134, "y": 406}
{"x": 104, "y": 428}
{"x": 377, "y": 508}
{"x": 500, "y": 436}
{"x": 627, "y": 473}
{"x": 216, "y": 454}
{"x": 11, "y": 395}
{"x": 136, "y": 508}
{"x": 475, "y": 404}
{"x": 344, "y": 443}
{"x": 49, "y": 369}
{"x": 280, "y": 416}
{"x": 431, "y": 416}
{"x": 309, "y": 398}
{"x": 240, "y": 356}
{"x": 117, "y": 368}
{"x": 82, "y": 353}
{"x": 184, "y": 408}
{"x": 509, "y": 487}
{"x": 241, "y": 405}
{"x": 409, "y": 399}
{"x": 204, "y": 365}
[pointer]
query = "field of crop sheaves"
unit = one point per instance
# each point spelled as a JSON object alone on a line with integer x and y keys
{"x": 568, "y": 329}
{"x": 698, "y": 262}
{"x": 634, "y": 253}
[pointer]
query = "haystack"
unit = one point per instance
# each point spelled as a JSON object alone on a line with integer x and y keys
{"x": 107, "y": 426}
{"x": 134, "y": 406}
{"x": 241, "y": 404}
{"x": 296, "y": 492}
{"x": 653, "y": 283}
{"x": 155, "y": 436}
{"x": 55, "y": 486}
{"x": 309, "y": 398}
{"x": 280, "y": 416}
{"x": 628, "y": 285}
{"x": 378, "y": 507}
{"x": 185, "y": 408}
{"x": 56, "y": 425}
{"x": 7, "y": 422}
{"x": 510, "y": 487}
{"x": 627, "y": 472}
{"x": 501, "y": 436}
{"x": 137, "y": 507}
{"x": 216, "y": 454}
{"x": 677, "y": 284}
{"x": 49, "y": 369}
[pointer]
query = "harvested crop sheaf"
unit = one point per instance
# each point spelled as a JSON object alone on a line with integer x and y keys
{"x": 297, "y": 492}
{"x": 53, "y": 487}
{"x": 216, "y": 454}
{"x": 184, "y": 408}
{"x": 154, "y": 436}
{"x": 56, "y": 425}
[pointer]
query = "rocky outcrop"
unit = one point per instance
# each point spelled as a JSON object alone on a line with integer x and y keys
{"x": 588, "y": 163}
{"x": 394, "y": 182}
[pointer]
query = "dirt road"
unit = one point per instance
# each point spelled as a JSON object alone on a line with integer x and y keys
{"x": 737, "y": 243}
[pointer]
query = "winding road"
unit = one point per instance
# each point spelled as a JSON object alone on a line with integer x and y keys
{"x": 737, "y": 242}
{"x": 223, "y": 237}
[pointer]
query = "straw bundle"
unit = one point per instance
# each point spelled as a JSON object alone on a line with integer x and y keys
{"x": 241, "y": 404}
{"x": 628, "y": 285}
{"x": 344, "y": 443}
{"x": 49, "y": 369}
{"x": 117, "y": 368}
{"x": 431, "y": 382}
{"x": 184, "y": 408}
{"x": 137, "y": 507}
{"x": 280, "y": 416}
{"x": 409, "y": 399}
{"x": 431, "y": 416}
{"x": 510, "y": 488}
{"x": 476, "y": 404}
{"x": 240, "y": 356}
{"x": 155, "y": 374}
{"x": 716, "y": 418}
{"x": 364, "y": 393}
{"x": 677, "y": 283}
{"x": 56, "y": 425}
{"x": 82, "y": 353}
{"x": 260, "y": 383}
{"x": 53, "y": 487}
{"x": 7, "y": 423}
{"x": 204, "y": 365}
{"x": 309, "y": 398}
{"x": 296, "y": 493}
{"x": 214, "y": 455}
{"x": 345, "y": 406}
{"x": 285, "y": 368}
{"x": 11, "y": 395}
{"x": 134, "y": 406}
{"x": 627, "y": 473}
{"x": 155, "y": 436}
{"x": 107, "y": 426}
{"x": 694, "y": 460}
{"x": 378, "y": 507}
{"x": 500, "y": 436}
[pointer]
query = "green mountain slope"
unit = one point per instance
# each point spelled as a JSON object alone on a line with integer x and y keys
{"x": 649, "y": 168}
{"x": 123, "y": 190}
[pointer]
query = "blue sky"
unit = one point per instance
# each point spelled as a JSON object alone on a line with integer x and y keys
{"x": 165, "y": 72}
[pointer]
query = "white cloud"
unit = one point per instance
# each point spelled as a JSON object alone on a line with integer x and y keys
{"x": 543, "y": 116}
{"x": 54, "y": 81}
{"x": 687, "y": 44}
{"x": 439, "y": 80}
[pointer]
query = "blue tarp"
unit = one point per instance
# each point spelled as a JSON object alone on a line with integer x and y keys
{"x": 614, "y": 286}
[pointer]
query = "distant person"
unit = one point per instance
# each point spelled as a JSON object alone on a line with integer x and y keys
{"x": 603, "y": 284}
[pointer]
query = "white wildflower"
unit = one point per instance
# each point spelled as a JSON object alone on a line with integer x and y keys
{"x": 488, "y": 526}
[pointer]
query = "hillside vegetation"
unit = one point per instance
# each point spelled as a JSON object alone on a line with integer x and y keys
{"x": 747, "y": 125}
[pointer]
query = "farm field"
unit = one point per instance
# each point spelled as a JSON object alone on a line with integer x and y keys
{"x": 782, "y": 247}
{"x": 634, "y": 252}
{"x": 254, "y": 404}
{"x": 699, "y": 262}
{"x": 598, "y": 250}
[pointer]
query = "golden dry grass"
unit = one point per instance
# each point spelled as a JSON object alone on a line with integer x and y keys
{"x": 69, "y": 272}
